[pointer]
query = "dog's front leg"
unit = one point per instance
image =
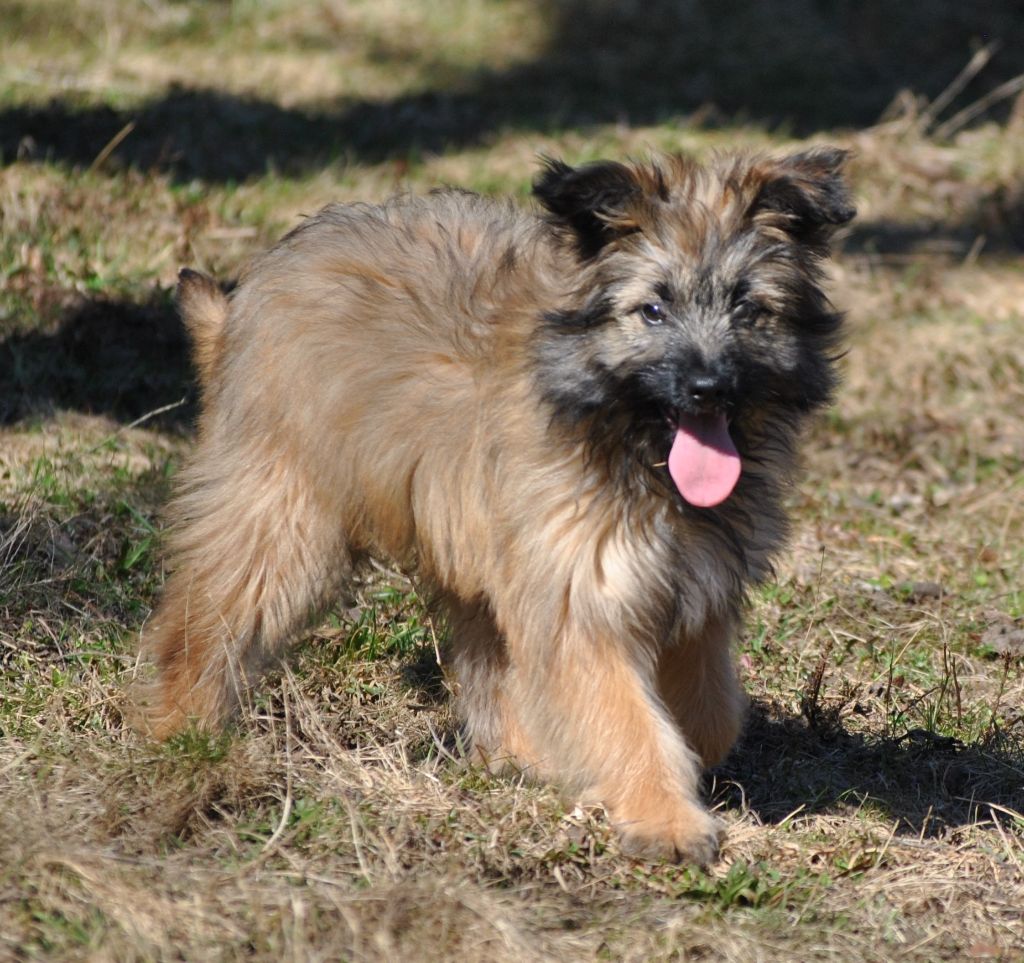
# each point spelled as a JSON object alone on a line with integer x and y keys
{"x": 697, "y": 680}
{"x": 595, "y": 716}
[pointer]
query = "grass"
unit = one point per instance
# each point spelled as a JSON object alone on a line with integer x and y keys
{"x": 875, "y": 806}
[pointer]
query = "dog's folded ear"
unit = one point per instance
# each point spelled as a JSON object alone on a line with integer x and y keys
{"x": 593, "y": 200}
{"x": 806, "y": 195}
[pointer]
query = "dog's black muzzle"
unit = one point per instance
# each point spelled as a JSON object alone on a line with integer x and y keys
{"x": 701, "y": 387}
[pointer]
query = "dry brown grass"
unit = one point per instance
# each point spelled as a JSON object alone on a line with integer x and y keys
{"x": 875, "y": 807}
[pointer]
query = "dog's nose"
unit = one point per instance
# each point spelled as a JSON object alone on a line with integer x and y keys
{"x": 706, "y": 390}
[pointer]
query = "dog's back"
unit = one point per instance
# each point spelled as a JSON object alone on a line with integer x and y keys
{"x": 356, "y": 385}
{"x": 377, "y": 342}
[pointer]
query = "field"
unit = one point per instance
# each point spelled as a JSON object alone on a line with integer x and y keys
{"x": 875, "y": 805}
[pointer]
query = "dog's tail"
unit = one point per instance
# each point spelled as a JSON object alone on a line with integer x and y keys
{"x": 203, "y": 308}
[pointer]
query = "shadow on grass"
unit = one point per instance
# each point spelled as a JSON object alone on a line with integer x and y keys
{"x": 928, "y": 783}
{"x": 805, "y": 64}
{"x": 76, "y": 545}
{"x": 101, "y": 356}
{"x": 782, "y": 765}
{"x": 993, "y": 226}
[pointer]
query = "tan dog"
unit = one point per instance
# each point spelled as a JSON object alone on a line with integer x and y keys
{"x": 577, "y": 429}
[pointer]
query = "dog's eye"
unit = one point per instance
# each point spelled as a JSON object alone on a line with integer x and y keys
{"x": 749, "y": 312}
{"x": 652, "y": 313}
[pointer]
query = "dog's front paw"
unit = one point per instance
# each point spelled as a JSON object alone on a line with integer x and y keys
{"x": 689, "y": 835}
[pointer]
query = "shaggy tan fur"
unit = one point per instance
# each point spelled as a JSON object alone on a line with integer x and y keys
{"x": 384, "y": 381}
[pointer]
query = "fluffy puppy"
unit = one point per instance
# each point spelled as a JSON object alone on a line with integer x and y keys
{"x": 577, "y": 429}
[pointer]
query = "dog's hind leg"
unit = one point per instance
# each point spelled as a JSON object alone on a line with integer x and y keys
{"x": 697, "y": 679}
{"x": 251, "y": 555}
{"x": 480, "y": 663}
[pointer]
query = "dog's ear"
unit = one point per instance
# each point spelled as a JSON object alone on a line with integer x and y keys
{"x": 806, "y": 195}
{"x": 593, "y": 200}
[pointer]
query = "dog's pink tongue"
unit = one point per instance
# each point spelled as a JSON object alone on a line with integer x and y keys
{"x": 703, "y": 461}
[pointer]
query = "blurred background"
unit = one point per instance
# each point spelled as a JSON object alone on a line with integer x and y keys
{"x": 294, "y": 85}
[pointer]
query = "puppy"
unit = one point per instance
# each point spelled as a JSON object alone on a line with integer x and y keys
{"x": 577, "y": 428}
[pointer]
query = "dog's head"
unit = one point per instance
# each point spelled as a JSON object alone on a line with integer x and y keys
{"x": 699, "y": 312}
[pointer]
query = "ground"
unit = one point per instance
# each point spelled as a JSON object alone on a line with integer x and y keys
{"x": 875, "y": 805}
